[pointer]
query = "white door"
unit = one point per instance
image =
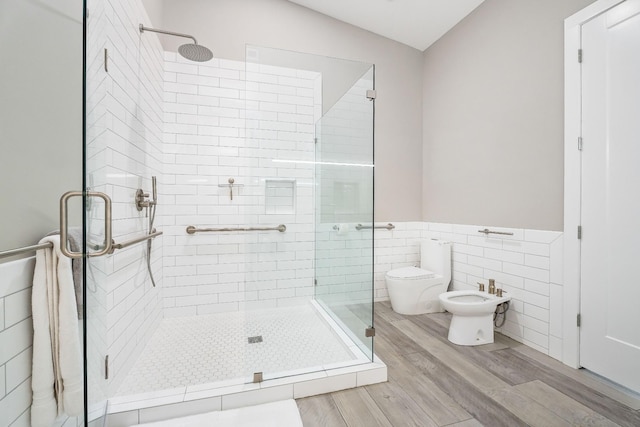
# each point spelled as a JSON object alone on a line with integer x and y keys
{"x": 610, "y": 209}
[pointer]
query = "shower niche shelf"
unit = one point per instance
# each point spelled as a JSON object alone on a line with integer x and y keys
{"x": 280, "y": 196}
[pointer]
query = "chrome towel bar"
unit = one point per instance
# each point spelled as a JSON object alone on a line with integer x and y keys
{"x": 131, "y": 242}
{"x": 49, "y": 245}
{"x": 192, "y": 229}
{"x": 486, "y": 231}
{"x": 32, "y": 248}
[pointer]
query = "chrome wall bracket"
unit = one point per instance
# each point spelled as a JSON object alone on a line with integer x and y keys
{"x": 106, "y": 367}
{"x": 370, "y": 332}
{"x": 257, "y": 377}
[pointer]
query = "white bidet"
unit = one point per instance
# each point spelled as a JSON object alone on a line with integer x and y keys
{"x": 472, "y": 320}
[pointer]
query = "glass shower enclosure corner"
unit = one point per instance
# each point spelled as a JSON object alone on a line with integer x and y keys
{"x": 264, "y": 173}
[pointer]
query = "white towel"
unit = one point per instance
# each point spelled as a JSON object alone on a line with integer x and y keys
{"x": 57, "y": 377}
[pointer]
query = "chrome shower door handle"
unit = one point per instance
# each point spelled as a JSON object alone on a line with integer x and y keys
{"x": 64, "y": 223}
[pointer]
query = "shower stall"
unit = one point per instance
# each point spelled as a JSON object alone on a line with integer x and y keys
{"x": 262, "y": 276}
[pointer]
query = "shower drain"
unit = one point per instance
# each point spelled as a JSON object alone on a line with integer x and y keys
{"x": 256, "y": 339}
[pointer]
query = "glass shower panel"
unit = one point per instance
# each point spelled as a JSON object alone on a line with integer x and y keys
{"x": 123, "y": 151}
{"x": 289, "y": 95}
{"x": 344, "y": 211}
{"x": 40, "y": 160}
{"x": 281, "y": 96}
{"x": 96, "y": 325}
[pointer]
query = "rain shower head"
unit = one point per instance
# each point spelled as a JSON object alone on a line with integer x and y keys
{"x": 195, "y": 52}
{"x": 191, "y": 51}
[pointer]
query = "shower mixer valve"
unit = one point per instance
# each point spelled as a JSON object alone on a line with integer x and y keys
{"x": 143, "y": 200}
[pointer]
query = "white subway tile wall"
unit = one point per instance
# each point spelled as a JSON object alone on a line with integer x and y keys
{"x": 16, "y": 343}
{"x": 254, "y": 127}
{"x": 124, "y": 150}
{"x": 527, "y": 265}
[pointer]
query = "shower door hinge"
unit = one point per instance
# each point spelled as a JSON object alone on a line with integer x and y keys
{"x": 315, "y": 140}
{"x": 371, "y": 94}
{"x": 106, "y": 367}
{"x": 257, "y": 377}
{"x": 580, "y": 143}
{"x": 315, "y": 282}
{"x": 106, "y": 60}
{"x": 579, "y": 232}
{"x": 370, "y": 332}
{"x": 578, "y": 320}
{"x": 580, "y": 56}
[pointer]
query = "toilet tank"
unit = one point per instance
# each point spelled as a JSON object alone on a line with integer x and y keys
{"x": 435, "y": 255}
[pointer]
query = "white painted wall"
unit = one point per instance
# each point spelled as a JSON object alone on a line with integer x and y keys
{"x": 155, "y": 12}
{"x": 493, "y": 121}
{"x": 40, "y": 158}
{"x": 226, "y": 26}
{"x": 40, "y": 115}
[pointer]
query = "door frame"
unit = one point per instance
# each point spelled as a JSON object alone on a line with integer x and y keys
{"x": 572, "y": 176}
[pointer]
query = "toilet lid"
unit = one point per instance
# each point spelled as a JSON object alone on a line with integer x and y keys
{"x": 411, "y": 273}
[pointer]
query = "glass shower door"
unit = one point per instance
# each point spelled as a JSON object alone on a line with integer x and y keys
{"x": 40, "y": 159}
{"x": 344, "y": 211}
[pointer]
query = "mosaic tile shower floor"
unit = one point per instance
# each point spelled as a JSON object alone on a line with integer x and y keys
{"x": 204, "y": 349}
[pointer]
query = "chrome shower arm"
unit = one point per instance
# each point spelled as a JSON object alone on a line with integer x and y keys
{"x": 171, "y": 33}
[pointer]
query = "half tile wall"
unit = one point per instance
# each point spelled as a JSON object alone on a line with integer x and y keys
{"x": 16, "y": 343}
{"x": 528, "y": 265}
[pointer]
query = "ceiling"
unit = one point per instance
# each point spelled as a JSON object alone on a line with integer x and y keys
{"x": 416, "y": 23}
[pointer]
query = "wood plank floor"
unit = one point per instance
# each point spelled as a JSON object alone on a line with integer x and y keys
{"x": 433, "y": 382}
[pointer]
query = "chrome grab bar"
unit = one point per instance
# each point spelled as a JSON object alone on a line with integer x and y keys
{"x": 131, "y": 242}
{"x": 64, "y": 223}
{"x": 389, "y": 226}
{"x": 192, "y": 229}
{"x": 18, "y": 251}
{"x": 486, "y": 231}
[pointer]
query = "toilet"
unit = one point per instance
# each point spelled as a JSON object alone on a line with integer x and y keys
{"x": 472, "y": 315}
{"x": 414, "y": 290}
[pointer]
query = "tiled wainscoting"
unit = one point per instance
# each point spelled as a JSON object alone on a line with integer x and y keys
{"x": 527, "y": 264}
{"x": 16, "y": 340}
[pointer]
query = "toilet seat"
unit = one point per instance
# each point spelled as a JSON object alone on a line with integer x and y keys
{"x": 411, "y": 273}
